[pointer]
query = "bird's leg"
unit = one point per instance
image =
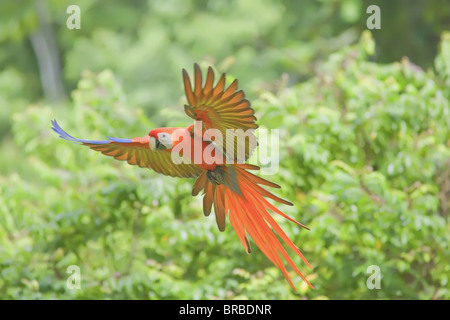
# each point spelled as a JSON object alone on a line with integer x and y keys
{"x": 214, "y": 176}
{"x": 226, "y": 176}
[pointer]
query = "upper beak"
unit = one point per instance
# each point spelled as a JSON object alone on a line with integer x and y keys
{"x": 153, "y": 143}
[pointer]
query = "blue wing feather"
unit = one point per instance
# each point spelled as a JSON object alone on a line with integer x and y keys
{"x": 64, "y": 135}
{"x": 120, "y": 140}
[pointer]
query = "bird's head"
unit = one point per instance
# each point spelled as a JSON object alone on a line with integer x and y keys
{"x": 160, "y": 139}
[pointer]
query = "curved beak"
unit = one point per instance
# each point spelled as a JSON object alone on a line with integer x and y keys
{"x": 153, "y": 143}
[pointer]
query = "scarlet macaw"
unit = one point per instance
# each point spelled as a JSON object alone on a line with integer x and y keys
{"x": 226, "y": 185}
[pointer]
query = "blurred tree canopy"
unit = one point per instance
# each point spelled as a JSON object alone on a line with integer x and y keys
{"x": 364, "y": 155}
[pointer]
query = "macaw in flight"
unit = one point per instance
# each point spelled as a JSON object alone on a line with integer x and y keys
{"x": 222, "y": 175}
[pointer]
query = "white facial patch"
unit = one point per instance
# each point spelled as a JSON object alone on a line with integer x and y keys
{"x": 165, "y": 139}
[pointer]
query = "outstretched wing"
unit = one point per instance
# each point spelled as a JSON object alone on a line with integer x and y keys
{"x": 222, "y": 109}
{"x": 135, "y": 151}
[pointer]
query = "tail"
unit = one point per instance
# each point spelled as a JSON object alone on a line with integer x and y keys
{"x": 236, "y": 192}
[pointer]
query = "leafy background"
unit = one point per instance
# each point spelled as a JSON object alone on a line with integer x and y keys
{"x": 364, "y": 153}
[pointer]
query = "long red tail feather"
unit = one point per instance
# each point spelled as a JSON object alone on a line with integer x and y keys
{"x": 249, "y": 216}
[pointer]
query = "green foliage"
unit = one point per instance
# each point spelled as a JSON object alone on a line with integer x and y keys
{"x": 368, "y": 146}
{"x": 364, "y": 152}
